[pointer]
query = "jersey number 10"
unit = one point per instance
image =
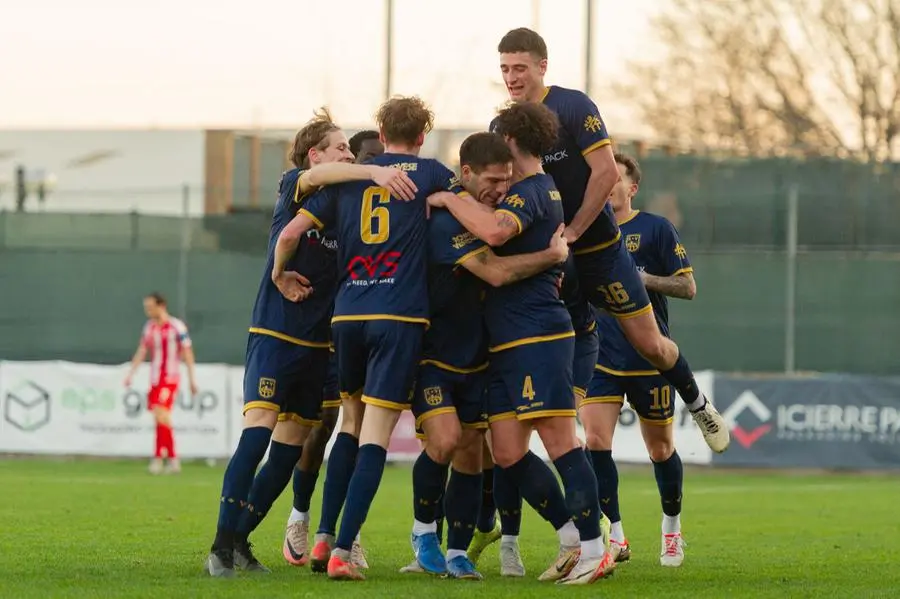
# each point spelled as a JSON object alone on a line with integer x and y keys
{"x": 375, "y": 219}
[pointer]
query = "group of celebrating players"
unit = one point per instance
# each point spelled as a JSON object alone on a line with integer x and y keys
{"x": 494, "y": 304}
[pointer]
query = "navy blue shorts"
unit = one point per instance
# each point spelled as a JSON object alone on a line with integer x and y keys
{"x": 331, "y": 398}
{"x": 440, "y": 391}
{"x": 379, "y": 358}
{"x": 609, "y": 279}
{"x": 652, "y": 397}
{"x": 532, "y": 381}
{"x": 285, "y": 377}
{"x": 587, "y": 344}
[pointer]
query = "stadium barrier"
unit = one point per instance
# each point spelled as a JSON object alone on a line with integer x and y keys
{"x": 825, "y": 421}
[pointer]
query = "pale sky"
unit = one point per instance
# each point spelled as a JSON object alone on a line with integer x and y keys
{"x": 269, "y": 63}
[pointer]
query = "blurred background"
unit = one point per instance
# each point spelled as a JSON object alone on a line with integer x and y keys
{"x": 141, "y": 151}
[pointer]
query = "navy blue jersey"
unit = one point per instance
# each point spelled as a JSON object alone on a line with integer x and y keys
{"x": 530, "y": 310}
{"x": 580, "y": 309}
{"x": 457, "y": 338}
{"x": 653, "y": 243}
{"x": 581, "y": 132}
{"x": 382, "y": 258}
{"x": 307, "y": 322}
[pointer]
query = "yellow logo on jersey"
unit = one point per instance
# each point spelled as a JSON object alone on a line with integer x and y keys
{"x": 555, "y": 195}
{"x": 266, "y": 388}
{"x": 454, "y": 181}
{"x": 405, "y": 166}
{"x": 593, "y": 123}
{"x": 462, "y": 240}
{"x": 633, "y": 242}
{"x": 515, "y": 200}
{"x": 680, "y": 251}
{"x": 433, "y": 396}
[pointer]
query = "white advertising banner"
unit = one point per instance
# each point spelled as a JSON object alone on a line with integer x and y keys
{"x": 628, "y": 445}
{"x": 65, "y": 408}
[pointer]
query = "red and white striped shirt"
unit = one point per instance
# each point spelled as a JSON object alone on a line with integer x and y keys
{"x": 165, "y": 341}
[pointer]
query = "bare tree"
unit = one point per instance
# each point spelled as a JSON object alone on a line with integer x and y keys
{"x": 775, "y": 77}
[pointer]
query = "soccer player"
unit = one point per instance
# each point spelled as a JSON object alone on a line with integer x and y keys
{"x": 364, "y": 145}
{"x": 167, "y": 340}
{"x": 380, "y": 315}
{"x": 532, "y": 353}
{"x": 582, "y": 165}
{"x": 449, "y": 398}
{"x": 621, "y": 371}
{"x": 287, "y": 349}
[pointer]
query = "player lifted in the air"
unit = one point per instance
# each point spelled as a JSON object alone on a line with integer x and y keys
{"x": 380, "y": 313}
{"x": 287, "y": 350}
{"x": 532, "y": 345}
{"x": 623, "y": 373}
{"x": 582, "y": 165}
{"x": 449, "y": 400}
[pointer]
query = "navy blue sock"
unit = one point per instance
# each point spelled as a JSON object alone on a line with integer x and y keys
{"x": 337, "y": 479}
{"x": 607, "y": 483}
{"x": 581, "y": 492}
{"x": 462, "y": 501}
{"x": 238, "y": 480}
{"x": 270, "y": 481}
{"x": 363, "y": 486}
{"x": 304, "y": 486}
{"x": 669, "y": 480}
{"x": 487, "y": 514}
{"x": 439, "y": 511}
{"x": 428, "y": 479}
{"x": 541, "y": 489}
{"x": 682, "y": 378}
{"x": 509, "y": 502}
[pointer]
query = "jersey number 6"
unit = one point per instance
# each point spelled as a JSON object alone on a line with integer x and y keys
{"x": 374, "y": 219}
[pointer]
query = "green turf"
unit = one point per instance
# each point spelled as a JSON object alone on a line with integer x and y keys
{"x": 108, "y": 529}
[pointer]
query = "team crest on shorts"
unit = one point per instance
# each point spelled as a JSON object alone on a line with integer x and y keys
{"x": 633, "y": 242}
{"x": 433, "y": 396}
{"x": 266, "y": 388}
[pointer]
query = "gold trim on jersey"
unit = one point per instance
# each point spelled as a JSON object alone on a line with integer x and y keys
{"x": 630, "y": 217}
{"x": 596, "y": 146}
{"x": 589, "y": 329}
{"x": 665, "y": 422}
{"x": 648, "y": 309}
{"x": 289, "y": 339}
{"x": 598, "y": 247}
{"x": 331, "y": 404}
{"x": 545, "y": 94}
{"x": 530, "y": 340}
{"x": 579, "y": 392}
{"x": 512, "y": 216}
{"x": 311, "y": 217}
{"x": 344, "y": 395}
{"x": 364, "y": 317}
{"x": 449, "y": 368}
{"x": 472, "y": 254}
{"x": 285, "y": 416}
{"x": 682, "y": 271}
{"x": 546, "y": 414}
{"x": 434, "y": 413}
{"x": 602, "y": 368}
{"x": 502, "y": 416}
{"x": 262, "y": 405}
{"x": 384, "y": 403}
{"x": 585, "y": 401}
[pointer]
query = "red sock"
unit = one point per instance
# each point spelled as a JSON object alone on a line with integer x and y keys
{"x": 170, "y": 442}
{"x": 160, "y": 440}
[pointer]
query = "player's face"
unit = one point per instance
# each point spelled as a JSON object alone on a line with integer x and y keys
{"x": 338, "y": 150}
{"x": 490, "y": 185}
{"x": 523, "y": 74}
{"x": 623, "y": 190}
{"x": 369, "y": 149}
{"x": 151, "y": 309}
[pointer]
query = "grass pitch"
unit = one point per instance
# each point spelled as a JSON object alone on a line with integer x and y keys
{"x": 108, "y": 529}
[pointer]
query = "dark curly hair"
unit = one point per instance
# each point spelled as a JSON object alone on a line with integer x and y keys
{"x": 534, "y": 127}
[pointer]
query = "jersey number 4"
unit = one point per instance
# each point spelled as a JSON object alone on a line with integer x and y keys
{"x": 528, "y": 389}
{"x": 375, "y": 219}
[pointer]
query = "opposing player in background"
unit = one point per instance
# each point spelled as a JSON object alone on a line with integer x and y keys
{"x": 287, "y": 349}
{"x": 364, "y": 146}
{"x": 532, "y": 352}
{"x": 582, "y": 165}
{"x": 622, "y": 372}
{"x": 166, "y": 339}
{"x": 380, "y": 316}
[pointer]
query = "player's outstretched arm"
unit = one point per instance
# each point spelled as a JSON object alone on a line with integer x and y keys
{"x": 395, "y": 180}
{"x": 498, "y": 271}
{"x": 293, "y": 286}
{"x": 492, "y": 227}
{"x": 604, "y": 175}
{"x": 680, "y": 285}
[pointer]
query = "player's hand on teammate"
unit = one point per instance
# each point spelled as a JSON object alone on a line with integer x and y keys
{"x": 395, "y": 181}
{"x": 439, "y": 199}
{"x": 570, "y": 235}
{"x": 559, "y": 245}
{"x": 293, "y": 286}
{"x": 643, "y": 276}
